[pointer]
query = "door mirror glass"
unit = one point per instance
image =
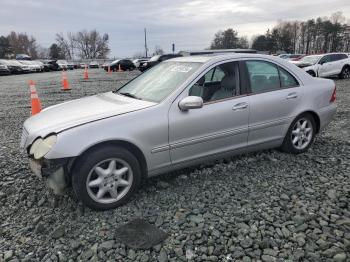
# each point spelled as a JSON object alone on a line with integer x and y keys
{"x": 190, "y": 102}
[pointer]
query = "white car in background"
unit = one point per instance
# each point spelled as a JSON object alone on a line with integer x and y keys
{"x": 32, "y": 67}
{"x": 138, "y": 62}
{"x": 62, "y": 64}
{"x": 326, "y": 65}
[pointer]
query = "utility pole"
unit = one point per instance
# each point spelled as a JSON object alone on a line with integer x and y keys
{"x": 146, "y": 49}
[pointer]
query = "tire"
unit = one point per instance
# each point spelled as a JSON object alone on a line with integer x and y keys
{"x": 345, "y": 73}
{"x": 94, "y": 181}
{"x": 295, "y": 148}
{"x": 311, "y": 73}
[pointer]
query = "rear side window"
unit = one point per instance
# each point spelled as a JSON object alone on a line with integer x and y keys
{"x": 266, "y": 76}
{"x": 342, "y": 56}
{"x": 287, "y": 80}
{"x": 263, "y": 76}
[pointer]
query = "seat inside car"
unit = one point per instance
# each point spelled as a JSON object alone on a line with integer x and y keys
{"x": 227, "y": 87}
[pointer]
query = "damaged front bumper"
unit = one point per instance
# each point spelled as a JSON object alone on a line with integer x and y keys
{"x": 54, "y": 171}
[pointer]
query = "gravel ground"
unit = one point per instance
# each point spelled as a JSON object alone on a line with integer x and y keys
{"x": 265, "y": 206}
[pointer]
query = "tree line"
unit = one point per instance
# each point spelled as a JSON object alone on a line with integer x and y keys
{"x": 83, "y": 44}
{"x": 320, "y": 35}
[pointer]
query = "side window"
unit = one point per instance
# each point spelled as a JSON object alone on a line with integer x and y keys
{"x": 287, "y": 80}
{"x": 342, "y": 56}
{"x": 214, "y": 75}
{"x": 221, "y": 82}
{"x": 335, "y": 57}
{"x": 325, "y": 59}
{"x": 263, "y": 76}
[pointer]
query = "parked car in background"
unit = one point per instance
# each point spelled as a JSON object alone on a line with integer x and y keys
{"x": 50, "y": 65}
{"x": 32, "y": 67}
{"x": 39, "y": 64}
{"x": 326, "y": 65}
{"x": 4, "y": 69}
{"x": 23, "y": 57}
{"x": 181, "y": 112}
{"x": 156, "y": 60}
{"x": 139, "y": 61}
{"x": 83, "y": 65}
{"x": 12, "y": 65}
{"x": 125, "y": 65}
{"x": 70, "y": 65}
{"x": 62, "y": 64}
{"x": 295, "y": 57}
{"x": 93, "y": 64}
{"x": 283, "y": 56}
{"x": 25, "y": 68}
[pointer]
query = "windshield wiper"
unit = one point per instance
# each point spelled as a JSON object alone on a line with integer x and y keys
{"x": 129, "y": 95}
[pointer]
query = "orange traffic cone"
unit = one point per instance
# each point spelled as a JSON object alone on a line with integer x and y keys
{"x": 35, "y": 101}
{"x": 86, "y": 74}
{"x": 119, "y": 69}
{"x": 65, "y": 83}
{"x": 109, "y": 70}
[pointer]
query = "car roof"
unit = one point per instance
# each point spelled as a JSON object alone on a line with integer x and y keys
{"x": 221, "y": 57}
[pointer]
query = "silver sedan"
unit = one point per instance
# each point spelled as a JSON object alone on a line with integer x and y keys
{"x": 180, "y": 113}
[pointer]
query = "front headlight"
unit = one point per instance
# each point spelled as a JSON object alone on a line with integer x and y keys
{"x": 41, "y": 147}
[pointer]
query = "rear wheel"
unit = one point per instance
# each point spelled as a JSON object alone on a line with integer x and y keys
{"x": 345, "y": 73}
{"x": 106, "y": 177}
{"x": 301, "y": 135}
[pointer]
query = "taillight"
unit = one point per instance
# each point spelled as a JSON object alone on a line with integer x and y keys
{"x": 333, "y": 97}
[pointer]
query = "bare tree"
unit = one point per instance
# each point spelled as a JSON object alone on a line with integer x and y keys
{"x": 66, "y": 44}
{"x": 92, "y": 44}
{"x": 158, "y": 50}
{"x": 43, "y": 52}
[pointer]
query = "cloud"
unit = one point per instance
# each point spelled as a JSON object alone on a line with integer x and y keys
{"x": 188, "y": 24}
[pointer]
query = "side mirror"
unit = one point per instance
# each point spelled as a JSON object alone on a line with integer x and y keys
{"x": 322, "y": 62}
{"x": 190, "y": 102}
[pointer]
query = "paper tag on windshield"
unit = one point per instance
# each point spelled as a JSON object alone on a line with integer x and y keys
{"x": 181, "y": 69}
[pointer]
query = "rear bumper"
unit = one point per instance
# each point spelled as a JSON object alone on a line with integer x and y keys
{"x": 54, "y": 172}
{"x": 326, "y": 115}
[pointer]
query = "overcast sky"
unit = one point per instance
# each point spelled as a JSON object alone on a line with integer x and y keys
{"x": 190, "y": 24}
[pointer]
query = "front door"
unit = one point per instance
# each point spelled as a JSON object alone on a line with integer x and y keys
{"x": 220, "y": 125}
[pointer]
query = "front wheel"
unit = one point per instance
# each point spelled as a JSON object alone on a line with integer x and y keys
{"x": 345, "y": 73}
{"x": 300, "y": 135}
{"x": 106, "y": 178}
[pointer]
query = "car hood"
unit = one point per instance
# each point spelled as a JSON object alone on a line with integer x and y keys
{"x": 63, "y": 116}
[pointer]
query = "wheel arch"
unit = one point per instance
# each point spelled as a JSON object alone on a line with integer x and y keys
{"x": 312, "y": 71}
{"x": 315, "y": 116}
{"x": 121, "y": 143}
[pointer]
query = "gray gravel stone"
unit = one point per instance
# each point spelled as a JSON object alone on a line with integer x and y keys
{"x": 339, "y": 257}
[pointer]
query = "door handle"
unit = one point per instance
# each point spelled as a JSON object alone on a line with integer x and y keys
{"x": 240, "y": 106}
{"x": 292, "y": 96}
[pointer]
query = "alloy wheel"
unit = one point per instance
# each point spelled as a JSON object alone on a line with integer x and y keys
{"x": 346, "y": 73}
{"x": 109, "y": 180}
{"x": 302, "y": 133}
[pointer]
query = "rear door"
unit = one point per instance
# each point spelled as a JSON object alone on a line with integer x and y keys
{"x": 274, "y": 96}
{"x": 342, "y": 60}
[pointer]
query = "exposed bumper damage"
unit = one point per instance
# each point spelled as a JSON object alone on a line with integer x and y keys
{"x": 54, "y": 172}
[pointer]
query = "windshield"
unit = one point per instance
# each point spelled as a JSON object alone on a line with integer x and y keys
{"x": 62, "y": 62}
{"x": 310, "y": 59}
{"x": 154, "y": 58}
{"x": 158, "y": 82}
